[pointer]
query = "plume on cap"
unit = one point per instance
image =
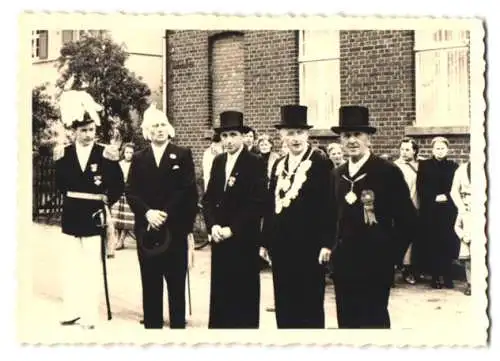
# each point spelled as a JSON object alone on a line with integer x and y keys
{"x": 73, "y": 105}
{"x": 152, "y": 115}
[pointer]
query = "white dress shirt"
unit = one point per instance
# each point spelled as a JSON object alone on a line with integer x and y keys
{"x": 83, "y": 154}
{"x": 231, "y": 161}
{"x": 158, "y": 152}
{"x": 355, "y": 167}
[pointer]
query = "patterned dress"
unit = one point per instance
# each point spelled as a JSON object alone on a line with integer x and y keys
{"x": 121, "y": 212}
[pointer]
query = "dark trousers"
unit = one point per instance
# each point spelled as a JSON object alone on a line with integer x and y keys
{"x": 171, "y": 266}
{"x": 362, "y": 305}
{"x": 299, "y": 294}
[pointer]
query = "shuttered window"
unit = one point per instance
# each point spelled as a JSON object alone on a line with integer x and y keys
{"x": 68, "y": 36}
{"x": 442, "y": 78}
{"x": 319, "y": 76}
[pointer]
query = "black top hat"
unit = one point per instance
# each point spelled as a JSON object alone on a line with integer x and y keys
{"x": 293, "y": 116}
{"x": 231, "y": 120}
{"x": 354, "y": 118}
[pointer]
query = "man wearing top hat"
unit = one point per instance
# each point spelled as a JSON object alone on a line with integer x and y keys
{"x": 233, "y": 206}
{"x": 90, "y": 179}
{"x": 161, "y": 191}
{"x": 299, "y": 225}
{"x": 375, "y": 220}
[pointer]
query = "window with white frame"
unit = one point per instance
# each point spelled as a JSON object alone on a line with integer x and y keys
{"x": 39, "y": 44}
{"x": 319, "y": 76}
{"x": 442, "y": 77}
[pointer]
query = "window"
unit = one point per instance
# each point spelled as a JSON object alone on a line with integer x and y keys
{"x": 39, "y": 44}
{"x": 68, "y": 36}
{"x": 442, "y": 78}
{"x": 319, "y": 76}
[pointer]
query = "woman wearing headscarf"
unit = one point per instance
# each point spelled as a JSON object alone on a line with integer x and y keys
{"x": 439, "y": 245}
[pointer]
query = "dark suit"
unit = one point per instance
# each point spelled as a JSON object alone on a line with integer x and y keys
{"x": 294, "y": 238}
{"x": 365, "y": 255}
{"x": 235, "y": 278}
{"x": 169, "y": 187}
{"x": 101, "y": 176}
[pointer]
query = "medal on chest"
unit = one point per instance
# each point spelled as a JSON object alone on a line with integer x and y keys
{"x": 351, "y": 197}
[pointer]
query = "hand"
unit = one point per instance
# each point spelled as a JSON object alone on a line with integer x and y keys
{"x": 226, "y": 232}
{"x": 216, "y": 233}
{"x": 156, "y": 218}
{"x": 58, "y": 152}
{"x": 190, "y": 239}
{"x": 441, "y": 198}
{"x": 324, "y": 255}
{"x": 264, "y": 254}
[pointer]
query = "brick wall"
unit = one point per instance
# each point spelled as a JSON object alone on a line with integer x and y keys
{"x": 205, "y": 75}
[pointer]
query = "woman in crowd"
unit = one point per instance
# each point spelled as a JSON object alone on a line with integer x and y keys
{"x": 439, "y": 244}
{"x": 335, "y": 154}
{"x": 265, "y": 147}
{"x": 121, "y": 212}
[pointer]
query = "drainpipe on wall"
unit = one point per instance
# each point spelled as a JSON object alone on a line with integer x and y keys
{"x": 164, "y": 72}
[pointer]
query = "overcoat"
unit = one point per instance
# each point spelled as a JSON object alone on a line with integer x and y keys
{"x": 235, "y": 278}
{"x": 439, "y": 244}
{"x": 169, "y": 187}
{"x": 294, "y": 236}
{"x": 365, "y": 254}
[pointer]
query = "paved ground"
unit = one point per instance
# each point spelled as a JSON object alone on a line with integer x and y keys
{"x": 411, "y": 307}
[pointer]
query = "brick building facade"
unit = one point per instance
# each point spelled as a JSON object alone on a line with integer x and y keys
{"x": 258, "y": 71}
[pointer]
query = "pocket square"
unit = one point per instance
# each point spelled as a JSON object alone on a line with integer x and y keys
{"x": 175, "y": 167}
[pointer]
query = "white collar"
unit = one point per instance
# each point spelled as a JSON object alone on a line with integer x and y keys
{"x": 355, "y": 167}
{"x": 159, "y": 147}
{"x": 83, "y": 148}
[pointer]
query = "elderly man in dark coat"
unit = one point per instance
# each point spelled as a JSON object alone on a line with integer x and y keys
{"x": 299, "y": 225}
{"x": 162, "y": 193}
{"x": 233, "y": 206}
{"x": 376, "y": 220}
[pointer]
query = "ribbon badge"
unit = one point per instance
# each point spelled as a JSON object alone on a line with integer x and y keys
{"x": 231, "y": 181}
{"x": 368, "y": 200}
{"x": 97, "y": 180}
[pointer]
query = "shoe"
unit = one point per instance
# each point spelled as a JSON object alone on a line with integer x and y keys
{"x": 410, "y": 279}
{"x": 270, "y": 309}
{"x": 110, "y": 256}
{"x": 436, "y": 284}
{"x": 69, "y": 322}
{"x": 448, "y": 283}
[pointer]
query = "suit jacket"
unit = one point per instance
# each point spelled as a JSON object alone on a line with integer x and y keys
{"x": 101, "y": 176}
{"x": 368, "y": 253}
{"x": 169, "y": 187}
{"x": 240, "y": 206}
{"x": 308, "y": 223}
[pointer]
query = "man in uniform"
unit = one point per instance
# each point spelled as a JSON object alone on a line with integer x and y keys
{"x": 161, "y": 191}
{"x": 299, "y": 225}
{"x": 376, "y": 220}
{"x": 90, "y": 179}
{"x": 233, "y": 206}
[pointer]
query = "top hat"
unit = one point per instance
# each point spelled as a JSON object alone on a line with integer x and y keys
{"x": 154, "y": 242}
{"x": 353, "y": 118}
{"x": 294, "y": 117}
{"x": 231, "y": 120}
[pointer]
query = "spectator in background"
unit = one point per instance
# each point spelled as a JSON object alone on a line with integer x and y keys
{"x": 249, "y": 140}
{"x": 463, "y": 229}
{"x": 336, "y": 154}
{"x": 408, "y": 163}
{"x": 461, "y": 184}
{"x": 265, "y": 146}
{"x": 209, "y": 154}
{"x": 122, "y": 214}
{"x": 439, "y": 244}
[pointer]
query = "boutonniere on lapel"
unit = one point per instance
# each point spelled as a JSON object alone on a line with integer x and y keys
{"x": 368, "y": 200}
{"x": 231, "y": 180}
{"x": 93, "y": 167}
{"x": 286, "y": 190}
{"x": 172, "y": 156}
{"x": 97, "y": 180}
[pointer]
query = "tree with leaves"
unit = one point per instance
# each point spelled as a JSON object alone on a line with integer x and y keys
{"x": 96, "y": 64}
{"x": 44, "y": 114}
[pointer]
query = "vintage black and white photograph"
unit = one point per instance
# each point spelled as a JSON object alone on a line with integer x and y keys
{"x": 217, "y": 173}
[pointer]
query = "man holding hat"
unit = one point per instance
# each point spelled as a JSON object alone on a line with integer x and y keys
{"x": 161, "y": 191}
{"x": 299, "y": 225}
{"x": 90, "y": 179}
{"x": 376, "y": 220}
{"x": 233, "y": 206}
